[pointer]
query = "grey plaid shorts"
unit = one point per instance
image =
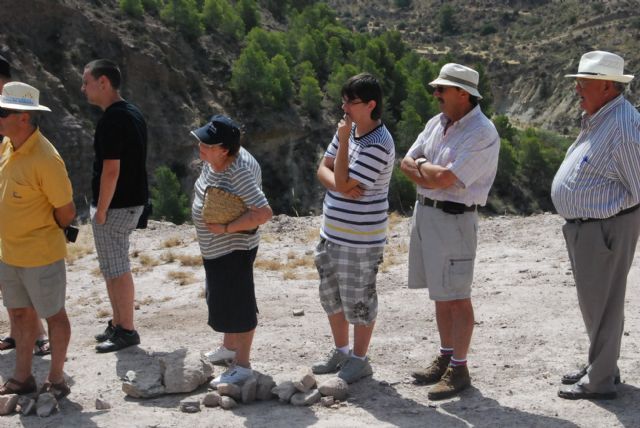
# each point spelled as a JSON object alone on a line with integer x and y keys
{"x": 112, "y": 240}
{"x": 348, "y": 280}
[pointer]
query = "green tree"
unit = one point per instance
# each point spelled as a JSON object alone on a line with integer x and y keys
{"x": 250, "y": 77}
{"x": 248, "y": 11}
{"x": 278, "y": 8}
{"x": 282, "y": 77}
{"x": 169, "y": 202}
{"x": 152, "y": 6}
{"x": 447, "y": 20}
{"x": 132, "y": 7}
{"x": 408, "y": 129}
{"x": 219, "y": 15}
{"x": 402, "y": 192}
{"x": 310, "y": 95}
{"x": 183, "y": 14}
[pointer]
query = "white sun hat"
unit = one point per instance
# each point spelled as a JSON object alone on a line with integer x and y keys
{"x": 460, "y": 76}
{"x": 601, "y": 65}
{"x": 20, "y": 96}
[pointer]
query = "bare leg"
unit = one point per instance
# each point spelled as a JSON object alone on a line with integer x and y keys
{"x": 25, "y": 324}
{"x": 243, "y": 343}
{"x": 455, "y": 325}
{"x": 361, "y": 338}
{"x": 122, "y": 294}
{"x": 228, "y": 341}
{"x": 59, "y": 334}
{"x": 339, "y": 329}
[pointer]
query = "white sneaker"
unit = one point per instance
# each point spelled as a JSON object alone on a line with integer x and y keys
{"x": 235, "y": 374}
{"x": 221, "y": 355}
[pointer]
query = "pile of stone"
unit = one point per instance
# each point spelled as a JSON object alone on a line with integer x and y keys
{"x": 304, "y": 391}
{"x": 43, "y": 406}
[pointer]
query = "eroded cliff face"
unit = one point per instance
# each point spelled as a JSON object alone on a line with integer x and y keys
{"x": 177, "y": 88}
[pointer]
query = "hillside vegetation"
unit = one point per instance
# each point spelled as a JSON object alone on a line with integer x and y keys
{"x": 277, "y": 67}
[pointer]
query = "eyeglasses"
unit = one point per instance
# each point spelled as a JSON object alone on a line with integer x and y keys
{"x": 440, "y": 89}
{"x": 582, "y": 83}
{"x": 5, "y": 112}
{"x": 351, "y": 102}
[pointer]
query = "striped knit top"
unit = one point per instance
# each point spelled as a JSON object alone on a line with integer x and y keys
{"x": 242, "y": 178}
{"x": 361, "y": 222}
{"x": 600, "y": 174}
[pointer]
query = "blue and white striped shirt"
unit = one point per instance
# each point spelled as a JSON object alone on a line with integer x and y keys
{"x": 600, "y": 174}
{"x": 242, "y": 178}
{"x": 361, "y": 222}
{"x": 469, "y": 149}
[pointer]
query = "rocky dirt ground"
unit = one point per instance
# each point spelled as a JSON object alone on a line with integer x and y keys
{"x": 528, "y": 332}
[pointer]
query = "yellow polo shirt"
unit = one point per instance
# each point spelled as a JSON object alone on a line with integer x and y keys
{"x": 33, "y": 180}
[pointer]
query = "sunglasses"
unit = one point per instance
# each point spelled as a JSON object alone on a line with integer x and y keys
{"x": 5, "y": 112}
{"x": 440, "y": 88}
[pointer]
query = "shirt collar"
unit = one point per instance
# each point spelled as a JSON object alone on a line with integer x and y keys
{"x": 28, "y": 145}
{"x": 590, "y": 120}
{"x": 474, "y": 112}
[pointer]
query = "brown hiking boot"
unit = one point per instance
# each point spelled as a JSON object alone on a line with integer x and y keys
{"x": 434, "y": 372}
{"x": 454, "y": 380}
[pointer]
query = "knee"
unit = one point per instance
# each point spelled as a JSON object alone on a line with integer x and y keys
{"x": 21, "y": 315}
{"x": 59, "y": 317}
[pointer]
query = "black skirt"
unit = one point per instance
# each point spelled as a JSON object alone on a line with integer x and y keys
{"x": 231, "y": 296}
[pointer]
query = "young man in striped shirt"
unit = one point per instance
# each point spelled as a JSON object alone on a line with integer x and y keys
{"x": 356, "y": 170}
{"x": 597, "y": 190}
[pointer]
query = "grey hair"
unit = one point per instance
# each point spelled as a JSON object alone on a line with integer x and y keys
{"x": 620, "y": 87}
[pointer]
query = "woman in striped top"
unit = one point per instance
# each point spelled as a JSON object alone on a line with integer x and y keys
{"x": 229, "y": 250}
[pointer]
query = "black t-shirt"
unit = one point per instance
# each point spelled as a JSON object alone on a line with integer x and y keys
{"x": 122, "y": 134}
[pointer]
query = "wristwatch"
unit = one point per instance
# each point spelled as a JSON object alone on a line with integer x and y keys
{"x": 419, "y": 163}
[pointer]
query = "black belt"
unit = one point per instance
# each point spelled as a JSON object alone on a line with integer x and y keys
{"x": 446, "y": 206}
{"x": 587, "y": 219}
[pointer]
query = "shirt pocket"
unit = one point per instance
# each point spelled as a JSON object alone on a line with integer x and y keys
{"x": 20, "y": 195}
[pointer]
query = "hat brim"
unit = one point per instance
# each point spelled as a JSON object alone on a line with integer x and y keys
{"x": 445, "y": 82}
{"x": 625, "y": 78}
{"x": 22, "y": 107}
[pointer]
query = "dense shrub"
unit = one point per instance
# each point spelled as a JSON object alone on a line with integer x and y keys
{"x": 169, "y": 202}
{"x": 132, "y": 7}
{"x": 184, "y": 16}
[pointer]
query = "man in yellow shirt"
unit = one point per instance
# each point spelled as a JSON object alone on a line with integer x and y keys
{"x": 36, "y": 204}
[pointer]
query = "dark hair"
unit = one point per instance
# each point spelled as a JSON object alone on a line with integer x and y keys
{"x": 367, "y": 88}
{"x": 5, "y": 68}
{"x": 473, "y": 100}
{"x": 107, "y": 68}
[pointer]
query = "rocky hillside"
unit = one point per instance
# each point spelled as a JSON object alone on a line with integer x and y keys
{"x": 525, "y": 46}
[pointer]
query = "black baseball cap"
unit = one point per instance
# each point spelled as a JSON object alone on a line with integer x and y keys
{"x": 219, "y": 130}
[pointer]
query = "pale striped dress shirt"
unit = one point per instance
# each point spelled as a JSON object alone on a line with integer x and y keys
{"x": 600, "y": 174}
{"x": 469, "y": 149}
{"x": 242, "y": 178}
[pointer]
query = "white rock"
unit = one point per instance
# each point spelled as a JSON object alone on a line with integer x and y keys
{"x": 8, "y": 403}
{"x": 46, "y": 404}
{"x": 264, "y": 387}
{"x": 284, "y": 391}
{"x": 249, "y": 390}
{"x": 306, "y": 380}
{"x": 227, "y": 402}
{"x": 335, "y": 387}
{"x": 229, "y": 390}
{"x": 327, "y": 401}
{"x": 184, "y": 371}
{"x": 306, "y": 398}
{"x": 102, "y": 405}
{"x": 212, "y": 399}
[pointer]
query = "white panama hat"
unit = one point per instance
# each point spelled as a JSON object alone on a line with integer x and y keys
{"x": 20, "y": 96}
{"x": 601, "y": 65}
{"x": 460, "y": 76}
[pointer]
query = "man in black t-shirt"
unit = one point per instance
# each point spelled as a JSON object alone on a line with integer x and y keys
{"x": 120, "y": 191}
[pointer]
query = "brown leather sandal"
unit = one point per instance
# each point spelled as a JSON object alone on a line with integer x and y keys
{"x": 59, "y": 390}
{"x": 13, "y": 386}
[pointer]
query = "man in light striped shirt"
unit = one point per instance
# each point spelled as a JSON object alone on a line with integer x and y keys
{"x": 597, "y": 190}
{"x": 356, "y": 171}
{"x": 453, "y": 163}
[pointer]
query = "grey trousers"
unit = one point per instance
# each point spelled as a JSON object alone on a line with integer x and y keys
{"x": 601, "y": 253}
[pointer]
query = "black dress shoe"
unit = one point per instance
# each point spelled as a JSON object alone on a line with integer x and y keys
{"x": 577, "y": 392}
{"x": 106, "y": 334}
{"x": 573, "y": 377}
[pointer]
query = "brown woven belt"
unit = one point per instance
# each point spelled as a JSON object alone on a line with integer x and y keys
{"x": 446, "y": 206}
{"x": 587, "y": 219}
